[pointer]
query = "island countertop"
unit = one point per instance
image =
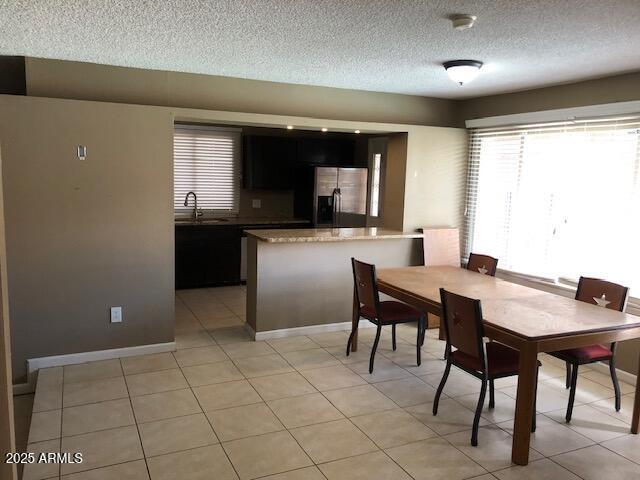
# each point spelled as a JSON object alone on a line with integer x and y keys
{"x": 328, "y": 234}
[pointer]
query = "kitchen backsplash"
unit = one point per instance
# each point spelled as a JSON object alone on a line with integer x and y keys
{"x": 273, "y": 203}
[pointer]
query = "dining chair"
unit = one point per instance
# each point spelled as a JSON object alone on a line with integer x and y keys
{"x": 486, "y": 361}
{"x": 477, "y": 263}
{"x": 381, "y": 313}
{"x": 603, "y": 294}
{"x": 483, "y": 264}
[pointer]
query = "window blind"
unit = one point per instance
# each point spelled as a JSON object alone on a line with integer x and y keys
{"x": 557, "y": 200}
{"x": 207, "y": 162}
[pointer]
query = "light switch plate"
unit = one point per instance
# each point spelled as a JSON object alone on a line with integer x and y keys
{"x": 116, "y": 314}
{"x": 256, "y": 203}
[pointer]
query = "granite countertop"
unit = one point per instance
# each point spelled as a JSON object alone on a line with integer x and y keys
{"x": 328, "y": 234}
{"x": 239, "y": 221}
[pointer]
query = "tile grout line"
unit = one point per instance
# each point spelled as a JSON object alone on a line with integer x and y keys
{"x": 613, "y": 451}
{"x": 198, "y": 400}
{"x": 286, "y": 429}
{"x": 565, "y": 468}
{"x": 373, "y": 384}
{"x": 61, "y": 418}
{"x": 317, "y": 391}
{"x": 379, "y": 412}
{"x": 490, "y": 424}
{"x": 276, "y": 415}
{"x": 135, "y": 420}
{"x": 438, "y": 436}
{"x": 213, "y": 429}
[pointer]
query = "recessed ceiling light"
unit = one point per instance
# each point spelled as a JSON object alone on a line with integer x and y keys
{"x": 289, "y": 127}
{"x": 324, "y": 129}
{"x": 357, "y": 131}
{"x": 462, "y": 71}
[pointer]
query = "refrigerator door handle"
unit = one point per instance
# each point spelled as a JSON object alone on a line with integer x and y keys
{"x": 338, "y": 208}
{"x": 334, "y": 217}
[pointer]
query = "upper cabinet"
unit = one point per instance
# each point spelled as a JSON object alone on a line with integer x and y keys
{"x": 327, "y": 152}
{"x": 270, "y": 162}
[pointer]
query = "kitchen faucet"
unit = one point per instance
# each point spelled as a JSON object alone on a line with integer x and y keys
{"x": 196, "y": 213}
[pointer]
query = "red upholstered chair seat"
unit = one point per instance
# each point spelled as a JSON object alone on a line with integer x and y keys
{"x": 592, "y": 353}
{"x": 501, "y": 360}
{"x": 391, "y": 312}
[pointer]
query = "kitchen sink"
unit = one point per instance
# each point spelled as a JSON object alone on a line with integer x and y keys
{"x": 200, "y": 221}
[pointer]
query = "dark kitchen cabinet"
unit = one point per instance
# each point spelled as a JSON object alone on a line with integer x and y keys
{"x": 207, "y": 255}
{"x": 273, "y": 162}
{"x": 268, "y": 162}
{"x": 323, "y": 152}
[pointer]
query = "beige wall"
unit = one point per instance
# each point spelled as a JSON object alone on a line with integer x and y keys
{"x": 435, "y": 179}
{"x": 620, "y": 88}
{"x": 86, "y": 81}
{"x": 7, "y": 428}
{"x": 425, "y": 179}
{"x": 83, "y": 236}
{"x": 628, "y": 355}
{"x": 395, "y": 177}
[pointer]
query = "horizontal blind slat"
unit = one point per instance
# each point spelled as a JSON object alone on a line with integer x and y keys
{"x": 545, "y": 197}
{"x": 206, "y": 161}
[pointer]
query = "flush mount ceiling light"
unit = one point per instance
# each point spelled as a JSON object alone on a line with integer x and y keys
{"x": 462, "y": 21}
{"x": 462, "y": 71}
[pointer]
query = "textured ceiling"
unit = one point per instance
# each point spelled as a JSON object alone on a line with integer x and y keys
{"x": 380, "y": 45}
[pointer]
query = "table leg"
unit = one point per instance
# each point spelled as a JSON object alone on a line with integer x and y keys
{"x": 354, "y": 322}
{"x": 635, "y": 419}
{"x": 524, "y": 404}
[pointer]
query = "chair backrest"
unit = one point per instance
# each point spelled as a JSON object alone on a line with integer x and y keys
{"x": 482, "y": 264}
{"x": 462, "y": 318}
{"x": 603, "y": 293}
{"x": 365, "y": 284}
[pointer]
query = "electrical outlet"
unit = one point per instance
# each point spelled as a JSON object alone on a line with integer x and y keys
{"x": 116, "y": 314}
{"x": 256, "y": 203}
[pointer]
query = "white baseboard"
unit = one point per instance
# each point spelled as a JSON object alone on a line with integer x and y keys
{"x": 35, "y": 364}
{"x": 622, "y": 375}
{"x": 308, "y": 330}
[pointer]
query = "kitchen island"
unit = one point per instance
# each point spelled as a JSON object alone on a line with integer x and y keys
{"x": 300, "y": 280}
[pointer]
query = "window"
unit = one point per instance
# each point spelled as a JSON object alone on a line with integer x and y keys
{"x": 558, "y": 200}
{"x": 375, "y": 186}
{"x": 207, "y": 162}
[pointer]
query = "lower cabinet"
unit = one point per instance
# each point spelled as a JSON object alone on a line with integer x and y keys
{"x": 210, "y": 255}
{"x": 207, "y": 255}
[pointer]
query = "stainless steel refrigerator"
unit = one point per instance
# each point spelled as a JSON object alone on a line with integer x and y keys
{"x": 340, "y": 197}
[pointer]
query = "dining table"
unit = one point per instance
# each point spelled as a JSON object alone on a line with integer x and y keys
{"x": 529, "y": 320}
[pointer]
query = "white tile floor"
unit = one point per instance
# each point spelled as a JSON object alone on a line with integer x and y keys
{"x": 222, "y": 406}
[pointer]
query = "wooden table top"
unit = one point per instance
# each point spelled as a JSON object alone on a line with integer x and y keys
{"x": 526, "y": 312}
